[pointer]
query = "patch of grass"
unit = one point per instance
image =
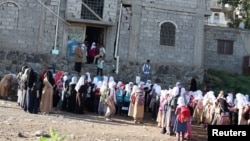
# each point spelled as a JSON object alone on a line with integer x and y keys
{"x": 53, "y": 136}
{"x": 220, "y": 80}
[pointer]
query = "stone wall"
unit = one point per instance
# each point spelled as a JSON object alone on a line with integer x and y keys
{"x": 165, "y": 75}
{"x": 73, "y": 8}
{"x": 27, "y": 26}
{"x": 230, "y": 63}
{"x": 178, "y": 3}
{"x": 140, "y": 32}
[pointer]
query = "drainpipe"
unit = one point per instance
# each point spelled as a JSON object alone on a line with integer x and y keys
{"x": 117, "y": 40}
{"x": 57, "y": 20}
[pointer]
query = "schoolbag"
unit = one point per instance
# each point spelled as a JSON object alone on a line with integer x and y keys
{"x": 104, "y": 95}
{"x": 119, "y": 96}
{"x": 127, "y": 97}
{"x": 184, "y": 114}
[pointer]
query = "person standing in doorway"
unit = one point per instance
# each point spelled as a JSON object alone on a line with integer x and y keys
{"x": 146, "y": 71}
{"x": 78, "y": 58}
{"x": 102, "y": 53}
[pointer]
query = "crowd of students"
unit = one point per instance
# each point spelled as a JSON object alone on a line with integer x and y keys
{"x": 175, "y": 109}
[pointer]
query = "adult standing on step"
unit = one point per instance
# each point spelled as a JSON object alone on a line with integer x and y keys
{"x": 78, "y": 58}
{"x": 146, "y": 70}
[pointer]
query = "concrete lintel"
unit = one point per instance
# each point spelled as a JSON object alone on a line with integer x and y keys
{"x": 126, "y": 2}
{"x": 84, "y": 21}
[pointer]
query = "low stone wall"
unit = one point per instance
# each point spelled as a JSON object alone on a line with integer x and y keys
{"x": 166, "y": 75}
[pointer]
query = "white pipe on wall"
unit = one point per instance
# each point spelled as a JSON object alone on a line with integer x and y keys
{"x": 57, "y": 20}
{"x": 117, "y": 40}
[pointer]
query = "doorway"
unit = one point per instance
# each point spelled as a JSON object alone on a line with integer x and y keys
{"x": 93, "y": 34}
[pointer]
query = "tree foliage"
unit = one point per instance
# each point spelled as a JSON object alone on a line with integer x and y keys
{"x": 244, "y": 11}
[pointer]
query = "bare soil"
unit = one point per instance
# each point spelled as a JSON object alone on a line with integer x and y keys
{"x": 17, "y": 125}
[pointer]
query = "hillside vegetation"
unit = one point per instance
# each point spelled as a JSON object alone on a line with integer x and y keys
{"x": 220, "y": 80}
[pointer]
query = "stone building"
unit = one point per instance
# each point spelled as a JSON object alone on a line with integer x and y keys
{"x": 171, "y": 33}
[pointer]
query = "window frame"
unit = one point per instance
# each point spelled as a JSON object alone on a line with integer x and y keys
{"x": 167, "y": 34}
{"x": 225, "y": 47}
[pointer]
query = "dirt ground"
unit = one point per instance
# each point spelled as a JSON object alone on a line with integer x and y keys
{"x": 17, "y": 125}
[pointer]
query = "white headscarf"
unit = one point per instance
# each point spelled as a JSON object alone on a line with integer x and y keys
{"x": 209, "y": 96}
{"x": 198, "y": 95}
{"x": 105, "y": 78}
{"x": 80, "y": 83}
{"x": 178, "y": 84}
{"x": 180, "y": 101}
{"x": 148, "y": 83}
{"x": 25, "y": 74}
{"x": 112, "y": 84}
{"x": 104, "y": 86}
{"x": 73, "y": 80}
{"x": 65, "y": 78}
{"x": 247, "y": 97}
{"x": 230, "y": 98}
{"x": 163, "y": 94}
{"x": 99, "y": 84}
{"x": 111, "y": 79}
{"x": 176, "y": 89}
{"x": 119, "y": 84}
{"x": 127, "y": 88}
{"x": 158, "y": 89}
{"x": 88, "y": 76}
{"x": 95, "y": 81}
{"x": 134, "y": 89}
{"x": 93, "y": 45}
{"x": 241, "y": 101}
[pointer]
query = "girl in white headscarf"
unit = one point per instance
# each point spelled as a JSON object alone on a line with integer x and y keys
{"x": 97, "y": 94}
{"x": 104, "y": 92}
{"x": 163, "y": 97}
{"x": 241, "y": 105}
{"x": 88, "y": 77}
{"x": 105, "y": 78}
{"x": 126, "y": 102}
{"x": 110, "y": 101}
{"x": 111, "y": 80}
{"x": 79, "y": 109}
{"x": 72, "y": 94}
{"x": 209, "y": 105}
{"x": 198, "y": 99}
{"x": 132, "y": 101}
{"x": 92, "y": 52}
{"x": 180, "y": 128}
{"x": 230, "y": 99}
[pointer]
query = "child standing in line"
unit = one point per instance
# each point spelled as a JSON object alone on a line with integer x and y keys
{"x": 183, "y": 115}
{"x": 100, "y": 63}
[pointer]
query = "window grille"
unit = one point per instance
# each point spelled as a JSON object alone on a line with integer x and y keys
{"x": 167, "y": 34}
{"x": 225, "y": 47}
{"x": 96, "y": 6}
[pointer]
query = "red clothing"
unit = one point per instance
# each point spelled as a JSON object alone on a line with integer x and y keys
{"x": 92, "y": 52}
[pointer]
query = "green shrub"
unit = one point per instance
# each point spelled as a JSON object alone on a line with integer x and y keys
{"x": 220, "y": 80}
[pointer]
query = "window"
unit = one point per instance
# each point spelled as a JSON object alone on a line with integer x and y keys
{"x": 225, "y": 47}
{"x": 216, "y": 18}
{"x": 92, "y": 9}
{"x": 167, "y": 34}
